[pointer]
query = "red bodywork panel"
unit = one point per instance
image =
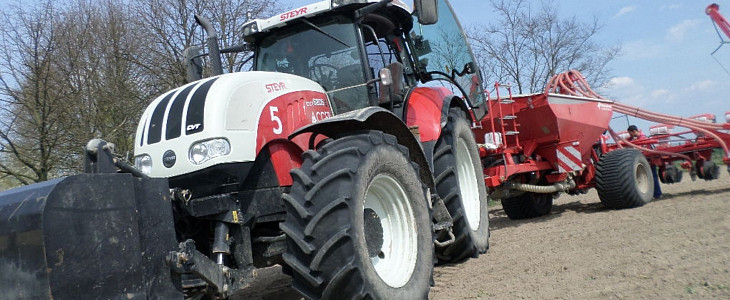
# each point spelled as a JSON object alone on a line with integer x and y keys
{"x": 282, "y": 116}
{"x": 426, "y": 104}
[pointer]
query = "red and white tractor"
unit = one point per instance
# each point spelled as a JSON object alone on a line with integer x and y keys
{"x": 345, "y": 155}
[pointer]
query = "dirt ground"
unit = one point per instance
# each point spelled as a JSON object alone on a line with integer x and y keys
{"x": 677, "y": 247}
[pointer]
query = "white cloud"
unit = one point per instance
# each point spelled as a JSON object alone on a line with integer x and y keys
{"x": 632, "y": 92}
{"x": 701, "y": 86}
{"x": 641, "y": 49}
{"x": 677, "y": 32}
{"x": 624, "y": 89}
{"x": 620, "y": 82}
{"x": 673, "y": 6}
{"x": 624, "y": 10}
{"x": 661, "y": 93}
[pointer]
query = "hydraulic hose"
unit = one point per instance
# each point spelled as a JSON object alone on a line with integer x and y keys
{"x": 543, "y": 189}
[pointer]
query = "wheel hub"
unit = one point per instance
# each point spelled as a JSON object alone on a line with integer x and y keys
{"x": 390, "y": 231}
{"x": 373, "y": 233}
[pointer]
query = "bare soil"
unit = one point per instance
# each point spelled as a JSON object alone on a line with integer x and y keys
{"x": 676, "y": 247}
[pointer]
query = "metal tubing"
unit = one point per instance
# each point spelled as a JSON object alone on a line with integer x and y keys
{"x": 544, "y": 189}
{"x": 220, "y": 244}
{"x": 213, "y": 47}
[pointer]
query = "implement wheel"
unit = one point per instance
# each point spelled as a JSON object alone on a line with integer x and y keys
{"x": 707, "y": 170}
{"x": 671, "y": 174}
{"x": 358, "y": 224}
{"x": 460, "y": 183}
{"x": 623, "y": 179}
{"x": 528, "y": 205}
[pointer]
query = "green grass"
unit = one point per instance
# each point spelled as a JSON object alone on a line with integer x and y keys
{"x": 717, "y": 156}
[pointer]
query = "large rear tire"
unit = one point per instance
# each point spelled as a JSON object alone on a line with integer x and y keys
{"x": 460, "y": 183}
{"x": 358, "y": 224}
{"x": 623, "y": 179}
{"x": 528, "y": 205}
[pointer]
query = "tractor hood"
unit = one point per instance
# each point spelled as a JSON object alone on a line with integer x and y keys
{"x": 223, "y": 119}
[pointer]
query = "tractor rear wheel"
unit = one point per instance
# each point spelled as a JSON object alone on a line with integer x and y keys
{"x": 460, "y": 183}
{"x": 358, "y": 224}
{"x": 528, "y": 205}
{"x": 624, "y": 179}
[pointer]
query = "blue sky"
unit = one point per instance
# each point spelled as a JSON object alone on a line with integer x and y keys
{"x": 665, "y": 64}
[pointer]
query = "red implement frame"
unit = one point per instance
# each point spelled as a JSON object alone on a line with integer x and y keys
{"x": 557, "y": 136}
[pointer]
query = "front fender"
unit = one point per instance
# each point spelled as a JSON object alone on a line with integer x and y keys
{"x": 372, "y": 118}
{"x": 428, "y": 109}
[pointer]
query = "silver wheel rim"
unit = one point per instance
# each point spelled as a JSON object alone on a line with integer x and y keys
{"x": 468, "y": 185}
{"x": 642, "y": 178}
{"x": 389, "y": 201}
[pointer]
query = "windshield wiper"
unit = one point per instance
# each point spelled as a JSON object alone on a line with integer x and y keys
{"x": 320, "y": 30}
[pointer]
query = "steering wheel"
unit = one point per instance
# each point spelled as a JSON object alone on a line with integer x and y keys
{"x": 323, "y": 74}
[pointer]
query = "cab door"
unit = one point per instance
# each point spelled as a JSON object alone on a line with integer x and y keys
{"x": 442, "y": 51}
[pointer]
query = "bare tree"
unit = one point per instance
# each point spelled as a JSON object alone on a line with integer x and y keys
{"x": 171, "y": 29}
{"x": 527, "y": 47}
{"x": 31, "y": 122}
{"x": 110, "y": 90}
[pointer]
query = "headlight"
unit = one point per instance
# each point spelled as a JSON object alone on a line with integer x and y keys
{"x": 143, "y": 163}
{"x": 204, "y": 151}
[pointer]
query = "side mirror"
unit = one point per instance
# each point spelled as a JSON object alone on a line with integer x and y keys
{"x": 426, "y": 11}
{"x": 469, "y": 68}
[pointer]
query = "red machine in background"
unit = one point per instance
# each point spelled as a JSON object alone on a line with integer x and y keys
{"x": 667, "y": 145}
{"x": 535, "y": 147}
{"x": 720, "y": 23}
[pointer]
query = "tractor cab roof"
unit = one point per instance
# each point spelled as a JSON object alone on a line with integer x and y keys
{"x": 258, "y": 26}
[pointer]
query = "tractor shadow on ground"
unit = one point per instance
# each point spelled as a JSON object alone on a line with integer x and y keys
{"x": 695, "y": 193}
{"x": 498, "y": 218}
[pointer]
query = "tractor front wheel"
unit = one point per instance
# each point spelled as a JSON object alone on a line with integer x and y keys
{"x": 358, "y": 223}
{"x": 624, "y": 179}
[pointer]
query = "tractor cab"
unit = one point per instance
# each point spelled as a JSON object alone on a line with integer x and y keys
{"x": 367, "y": 53}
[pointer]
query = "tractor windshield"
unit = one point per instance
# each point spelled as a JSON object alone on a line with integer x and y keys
{"x": 324, "y": 51}
{"x": 443, "y": 48}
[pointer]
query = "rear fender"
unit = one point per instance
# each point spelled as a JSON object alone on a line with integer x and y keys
{"x": 426, "y": 104}
{"x": 371, "y": 118}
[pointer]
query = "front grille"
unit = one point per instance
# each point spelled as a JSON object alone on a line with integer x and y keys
{"x": 173, "y": 119}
